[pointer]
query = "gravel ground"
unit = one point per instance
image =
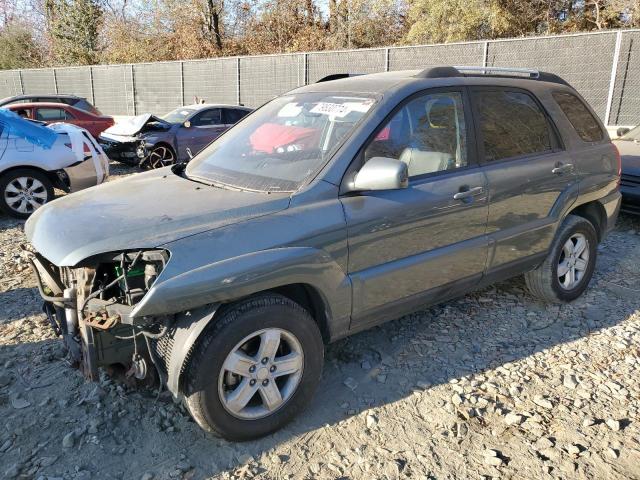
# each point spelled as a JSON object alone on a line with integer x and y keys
{"x": 492, "y": 385}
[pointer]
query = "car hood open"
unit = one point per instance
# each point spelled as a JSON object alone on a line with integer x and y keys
{"x": 142, "y": 211}
{"x": 132, "y": 126}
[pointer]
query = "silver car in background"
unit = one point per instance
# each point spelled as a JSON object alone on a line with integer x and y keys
{"x": 29, "y": 173}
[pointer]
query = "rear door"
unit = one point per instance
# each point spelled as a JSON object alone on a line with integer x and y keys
{"x": 409, "y": 246}
{"x": 531, "y": 176}
{"x": 50, "y": 114}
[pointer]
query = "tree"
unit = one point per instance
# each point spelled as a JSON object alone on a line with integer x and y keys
{"x": 18, "y": 48}
{"x": 74, "y": 27}
{"x": 435, "y": 21}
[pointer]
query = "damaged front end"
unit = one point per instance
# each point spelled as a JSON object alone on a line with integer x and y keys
{"x": 128, "y": 141}
{"x": 90, "y": 306}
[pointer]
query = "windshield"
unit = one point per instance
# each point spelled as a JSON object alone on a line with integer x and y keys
{"x": 179, "y": 115}
{"x": 633, "y": 134}
{"x": 281, "y": 145}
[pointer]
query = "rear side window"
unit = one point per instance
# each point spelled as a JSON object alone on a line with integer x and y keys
{"x": 86, "y": 106}
{"x": 580, "y": 117}
{"x": 512, "y": 125}
{"x": 50, "y": 114}
{"x": 233, "y": 116}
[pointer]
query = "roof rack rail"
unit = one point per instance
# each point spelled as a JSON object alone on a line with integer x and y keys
{"x": 499, "y": 70}
{"x": 471, "y": 71}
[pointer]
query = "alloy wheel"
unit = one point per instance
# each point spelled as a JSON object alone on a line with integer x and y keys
{"x": 25, "y": 194}
{"x": 160, "y": 157}
{"x": 261, "y": 373}
{"x": 574, "y": 261}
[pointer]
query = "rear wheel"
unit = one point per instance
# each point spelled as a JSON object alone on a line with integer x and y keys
{"x": 567, "y": 270}
{"x": 23, "y": 191}
{"x": 255, "y": 368}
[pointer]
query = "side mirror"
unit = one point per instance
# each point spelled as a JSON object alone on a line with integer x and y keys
{"x": 621, "y": 131}
{"x": 186, "y": 124}
{"x": 381, "y": 173}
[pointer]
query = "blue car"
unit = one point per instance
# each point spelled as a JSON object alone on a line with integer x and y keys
{"x": 153, "y": 142}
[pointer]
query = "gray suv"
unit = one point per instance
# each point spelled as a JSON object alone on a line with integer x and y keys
{"x": 330, "y": 209}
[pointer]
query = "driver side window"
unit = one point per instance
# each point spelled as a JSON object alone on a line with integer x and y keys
{"x": 428, "y": 133}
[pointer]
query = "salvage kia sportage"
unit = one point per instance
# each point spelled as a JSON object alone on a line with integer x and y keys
{"x": 330, "y": 209}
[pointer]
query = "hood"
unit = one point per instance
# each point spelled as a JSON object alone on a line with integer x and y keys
{"x": 132, "y": 126}
{"x": 630, "y": 153}
{"x": 145, "y": 210}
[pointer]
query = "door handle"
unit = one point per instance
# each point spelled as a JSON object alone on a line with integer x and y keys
{"x": 562, "y": 168}
{"x": 468, "y": 193}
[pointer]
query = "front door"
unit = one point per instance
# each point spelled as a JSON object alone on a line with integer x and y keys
{"x": 530, "y": 174}
{"x": 427, "y": 241}
{"x": 205, "y": 127}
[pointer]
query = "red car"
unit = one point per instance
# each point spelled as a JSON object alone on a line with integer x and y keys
{"x": 60, "y": 112}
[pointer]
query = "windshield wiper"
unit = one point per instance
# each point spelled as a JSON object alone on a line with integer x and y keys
{"x": 210, "y": 183}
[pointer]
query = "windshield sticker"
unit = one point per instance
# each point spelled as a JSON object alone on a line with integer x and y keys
{"x": 340, "y": 110}
{"x": 333, "y": 109}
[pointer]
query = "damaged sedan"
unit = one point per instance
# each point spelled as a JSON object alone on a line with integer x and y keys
{"x": 36, "y": 159}
{"x": 154, "y": 142}
{"x": 330, "y": 209}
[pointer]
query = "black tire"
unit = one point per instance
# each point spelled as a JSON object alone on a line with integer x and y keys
{"x": 544, "y": 283}
{"x": 235, "y": 323}
{"x": 13, "y": 178}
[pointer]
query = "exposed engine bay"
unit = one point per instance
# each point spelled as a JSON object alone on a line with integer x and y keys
{"x": 90, "y": 307}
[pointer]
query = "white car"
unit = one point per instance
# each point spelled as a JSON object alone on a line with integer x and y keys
{"x": 30, "y": 169}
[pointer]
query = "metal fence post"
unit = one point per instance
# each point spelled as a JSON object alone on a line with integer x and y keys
{"x": 55, "y": 81}
{"x": 387, "y": 59}
{"x": 305, "y": 68}
{"x": 133, "y": 91}
{"x": 182, "y": 83}
{"x": 21, "y": 82}
{"x": 485, "y": 54}
{"x": 238, "y": 80}
{"x": 93, "y": 93}
{"x": 612, "y": 80}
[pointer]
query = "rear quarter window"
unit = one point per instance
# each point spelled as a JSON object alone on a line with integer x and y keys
{"x": 585, "y": 125}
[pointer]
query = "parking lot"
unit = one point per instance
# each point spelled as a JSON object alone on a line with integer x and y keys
{"x": 492, "y": 385}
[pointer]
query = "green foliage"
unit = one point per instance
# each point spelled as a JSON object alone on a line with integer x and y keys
{"x": 74, "y": 29}
{"x": 18, "y": 49}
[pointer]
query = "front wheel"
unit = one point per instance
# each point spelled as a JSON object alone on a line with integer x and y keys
{"x": 567, "y": 270}
{"x": 160, "y": 156}
{"x": 255, "y": 368}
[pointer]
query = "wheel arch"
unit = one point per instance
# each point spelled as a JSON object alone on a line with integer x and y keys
{"x": 595, "y": 214}
{"x": 312, "y": 300}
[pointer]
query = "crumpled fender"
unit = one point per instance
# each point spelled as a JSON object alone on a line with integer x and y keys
{"x": 247, "y": 274}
